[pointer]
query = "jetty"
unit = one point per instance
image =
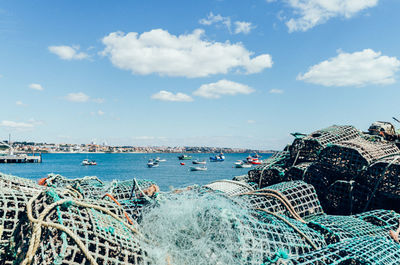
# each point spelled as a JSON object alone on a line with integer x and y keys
{"x": 20, "y": 158}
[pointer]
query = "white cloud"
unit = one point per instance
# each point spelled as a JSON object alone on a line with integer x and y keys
{"x": 251, "y": 121}
{"x": 213, "y": 19}
{"x": 222, "y": 87}
{"x": 19, "y": 126}
{"x": 314, "y": 12}
{"x": 100, "y": 112}
{"x": 243, "y": 27}
{"x": 77, "y": 97}
{"x": 158, "y": 51}
{"x": 276, "y": 91}
{"x": 353, "y": 69}
{"x": 68, "y": 52}
{"x": 36, "y": 87}
{"x": 169, "y": 96}
{"x": 19, "y": 103}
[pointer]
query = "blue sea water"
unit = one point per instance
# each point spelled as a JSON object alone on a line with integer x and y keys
{"x": 127, "y": 166}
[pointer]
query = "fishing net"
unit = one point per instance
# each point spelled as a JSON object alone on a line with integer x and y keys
{"x": 12, "y": 208}
{"x": 295, "y": 199}
{"x": 63, "y": 230}
{"x": 230, "y": 187}
{"x": 200, "y": 227}
{"x": 17, "y": 183}
{"x": 307, "y": 148}
{"x": 337, "y": 228}
{"x": 357, "y": 251}
{"x": 89, "y": 186}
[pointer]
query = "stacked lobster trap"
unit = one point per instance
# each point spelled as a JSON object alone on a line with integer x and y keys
{"x": 351, "y": 171}
{"x": 224, "y": 222}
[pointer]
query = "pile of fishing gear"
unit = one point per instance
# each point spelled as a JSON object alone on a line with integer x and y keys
{"x": 280, "y": 213}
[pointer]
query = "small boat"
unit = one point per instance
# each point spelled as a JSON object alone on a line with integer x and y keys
{"x": 184, "y": 157}
{"x": 160, "y": 160}
{"x": 197, "y": 162}
{"x": 198, "y": 168}
{"x": 152, "y": 163}
{"x": 242, "y": 164}
{"x": 87, "y": 162}
{"x": 217, "y": 158}
{"x": 253, "y": 159}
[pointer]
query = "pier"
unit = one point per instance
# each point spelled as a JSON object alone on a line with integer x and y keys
{"x": 23, "y": 158}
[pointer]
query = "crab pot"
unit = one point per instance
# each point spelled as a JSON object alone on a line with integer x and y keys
{"x": 301, "y": 196}
{"x": 298, "y": 171}
{"x": 357, "y": 251}
{"x": 354, "y": 156}
{"x": 384, "y": 176}
{"x": 12, "y": 209}
{"x": 307, "y": 148}
{"x": 267, "y": 176}
{"x": 338, "y": 228}
{"x": 104, "y": 238}
{"x": 229, "y": 187}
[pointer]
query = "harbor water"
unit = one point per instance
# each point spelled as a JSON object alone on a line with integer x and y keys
{"x": 169, "y": 174}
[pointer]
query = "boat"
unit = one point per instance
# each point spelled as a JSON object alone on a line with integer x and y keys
{"x": 184, "y": 157}
{"x": 197, "y": 162}
{"x": 253, "y": 159}
{"x": 198, "y": 168}
{"x": 217, "y": 158}
{"x": 160, "y": 160}
{"x": 242, "y": 164}
{"x": 152, "y": 163}
{"x": 87, "y": 162}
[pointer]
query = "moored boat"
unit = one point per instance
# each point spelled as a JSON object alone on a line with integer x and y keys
{"x": 242, "y": 164}
{"x": 151, "y": 163}
{"x": 160, "y": 160}
{"x": 198, "y": 168}
{"x": 198, "y": 162}
{"x": 184, "y": 157}
{"x": 87, "y": 162}
{"x": 217, "y": 158}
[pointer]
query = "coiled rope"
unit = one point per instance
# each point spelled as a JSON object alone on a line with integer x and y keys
{"x": 39, "y": 223}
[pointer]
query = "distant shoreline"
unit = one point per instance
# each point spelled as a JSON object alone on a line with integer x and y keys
{"x": 263, "y": 152}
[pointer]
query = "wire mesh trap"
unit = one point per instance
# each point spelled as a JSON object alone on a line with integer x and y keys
{"x": 64, "y": 230}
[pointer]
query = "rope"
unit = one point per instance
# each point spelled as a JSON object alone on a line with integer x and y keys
{"x": 277, "y": 195}
{"x": 395, "y": 234}
{"x": 292, "y": 226}
{"x": 39, "y": 223}
{"x": 1, "y": 231}
{"x": 116, "y": 201}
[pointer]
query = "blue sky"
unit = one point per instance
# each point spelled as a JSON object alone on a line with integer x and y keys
{"x": 215, "y": 73}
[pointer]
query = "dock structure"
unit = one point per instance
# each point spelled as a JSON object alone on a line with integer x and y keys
{"x": 23, "y": 158}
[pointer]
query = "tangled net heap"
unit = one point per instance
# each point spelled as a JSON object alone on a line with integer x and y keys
{"x": 352, "y": 172}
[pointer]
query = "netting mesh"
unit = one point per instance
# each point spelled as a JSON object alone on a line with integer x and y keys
{"x": 357, "y": 251}
{"x": 101, "y": 228}
{"x": 284, "y": 197}
{"x": 355, "y": 155}
{"x": 200, "y": 227}
{"x": 230, "y": 187}
{"x": 308, "y": 148}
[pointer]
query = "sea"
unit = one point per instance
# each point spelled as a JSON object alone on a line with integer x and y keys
{"x": 126, "y": 166}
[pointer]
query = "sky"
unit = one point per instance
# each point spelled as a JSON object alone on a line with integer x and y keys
{"x": 199, "y": 73}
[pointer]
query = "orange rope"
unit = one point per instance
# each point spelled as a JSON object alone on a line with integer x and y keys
{"x": 117, "y": 202}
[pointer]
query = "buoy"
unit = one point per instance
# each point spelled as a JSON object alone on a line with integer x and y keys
{"x": 42, "y": 182}
{"x": 182, "y": 164}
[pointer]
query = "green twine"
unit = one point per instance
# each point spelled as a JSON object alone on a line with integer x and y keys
{"x": 281, "y": 254}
